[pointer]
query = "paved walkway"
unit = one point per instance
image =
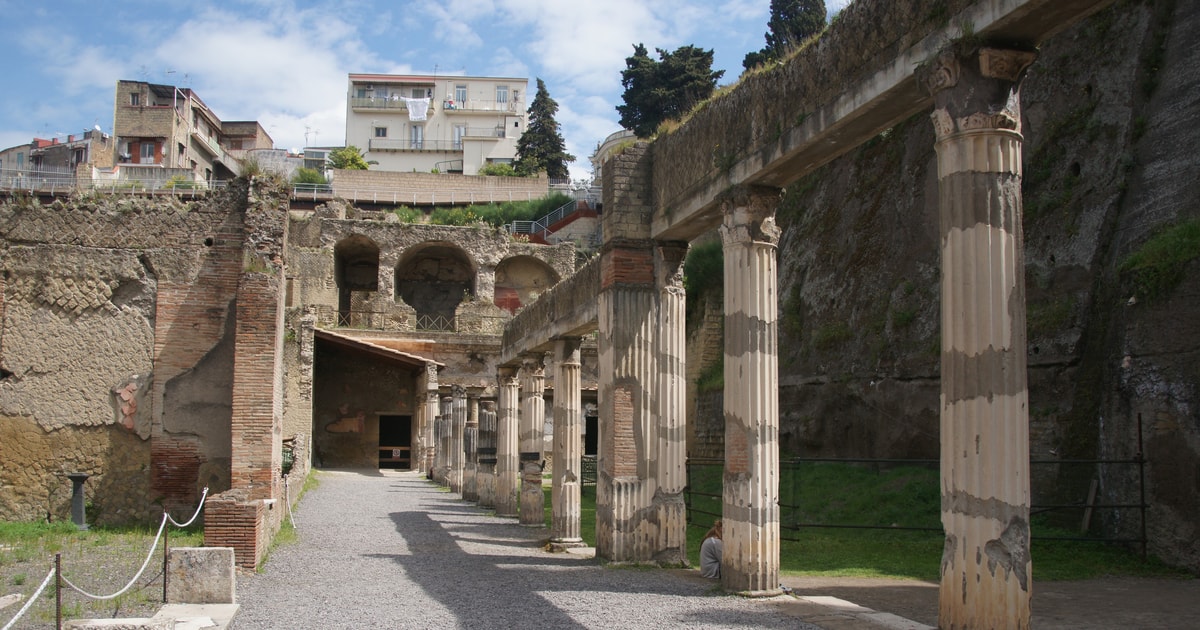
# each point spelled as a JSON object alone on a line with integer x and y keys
{"x": 389, "y": 549}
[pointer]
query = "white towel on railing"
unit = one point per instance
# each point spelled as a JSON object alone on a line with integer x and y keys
{"x": 417, "y": 108}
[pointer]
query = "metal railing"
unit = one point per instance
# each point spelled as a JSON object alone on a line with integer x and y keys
{"x": 399, "y": 144}
{"x": 703, "y": 496}
{"x": 434, "y": 322}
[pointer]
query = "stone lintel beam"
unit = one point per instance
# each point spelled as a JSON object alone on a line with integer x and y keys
{"x": 986, "y": 564}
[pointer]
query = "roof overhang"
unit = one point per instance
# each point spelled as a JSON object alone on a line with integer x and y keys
{"x": 368, "y": 347}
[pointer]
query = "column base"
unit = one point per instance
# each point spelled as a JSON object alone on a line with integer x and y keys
{"x": 772, "y": 592}
{"x": 559, "y": 546}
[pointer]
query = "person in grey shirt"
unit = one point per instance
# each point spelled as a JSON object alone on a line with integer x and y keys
{"x": 710, "y": 552}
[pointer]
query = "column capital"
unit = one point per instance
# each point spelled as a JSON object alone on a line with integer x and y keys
{"x": 534, "y": 363}
{"x": 668, "y": 263}
{"x": 975, "y": 88}
{"x": 507, "y": 375}
{"x": 750, "y": 215}
{"x": 566, "y": 350}
{"x": 458, "y": 391}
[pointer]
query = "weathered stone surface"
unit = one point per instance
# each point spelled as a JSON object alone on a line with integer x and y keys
{"x": 201, "y": 575}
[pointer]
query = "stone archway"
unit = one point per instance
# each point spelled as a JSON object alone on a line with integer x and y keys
{"x": 434, "y": 278}
{"x": 520, "y": 280}
{"x": 356, "y": 272}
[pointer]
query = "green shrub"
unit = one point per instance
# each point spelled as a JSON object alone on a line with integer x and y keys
{"x": 703, "y": 276}
{"x": 308, "y": 176}
{"x": 1157, "y": 267}
{"x": 497, "y": 169}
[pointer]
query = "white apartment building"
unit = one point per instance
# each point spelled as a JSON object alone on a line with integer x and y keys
{"x": 451, "y": 124}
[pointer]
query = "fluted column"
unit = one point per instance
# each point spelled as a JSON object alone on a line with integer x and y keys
{"x": 507, "y": 473}
{"x": 428, "y": 414}
{"x": 457, "y": 456}
{"x": 671, "y": 462}
{"x": 532, "y": 423}
{"x": 750, "y": 564}
{"x": 565, "y": 507}
{"x": 487, "y": 454}
{"x": 986, "y": 565}
{"x": 470, "y": 486}
{"x": 445, "y": 433}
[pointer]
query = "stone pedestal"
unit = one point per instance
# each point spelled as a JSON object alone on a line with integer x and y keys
{"x": 750, "y": 563}
{"x": 984, "y": 402}
{"x": 532, "y": 423}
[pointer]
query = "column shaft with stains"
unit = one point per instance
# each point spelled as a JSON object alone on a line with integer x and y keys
{"x": 486, "y": 477}
{"x": 507, "y": 474}
{"x": 565, "y": 495}
{"x": 532, "y": 424}
{"x": 627, "y": 318}
{"x": 456, "y": 454}
{"x": 984, "y": 402}
{"x": 470, "y": 484}
{"x": 750, "y": 563}
{"x": 428, "y": 412}
{"x": 671, "y": 462}
{"x": 445, "y": 435}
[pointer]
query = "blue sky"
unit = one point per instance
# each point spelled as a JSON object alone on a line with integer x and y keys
{"x": 285, "y": 63}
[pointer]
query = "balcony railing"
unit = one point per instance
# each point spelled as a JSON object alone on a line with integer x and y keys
{"x": 480, "y": 105}
{"x": 379, "y": 102}
{"x": 397, "y": 144}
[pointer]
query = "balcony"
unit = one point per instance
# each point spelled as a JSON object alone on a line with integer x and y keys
{"x": 474, "y": 105}
{"x": 394, "y": 103}
{"x": 208, "y": 144}
{"x": 396, "y": 144}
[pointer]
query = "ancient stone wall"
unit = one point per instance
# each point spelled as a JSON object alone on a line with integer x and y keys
{"x": 115, "y": 320}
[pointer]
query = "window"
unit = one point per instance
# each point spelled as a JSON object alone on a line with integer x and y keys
{"x": 418, "y": 92}
{"x": 147, "y": 153}
{"x": 360, "y": 93}
{"x": 417, "y": 135}
{"x": 78, "y": 157}
{"x": 460, "y": 95}
{"x": 381, "y": 132}
{"x": 501, "y": 94}
{"x": 459, "y": 132}
{"x": 135, "y": 99}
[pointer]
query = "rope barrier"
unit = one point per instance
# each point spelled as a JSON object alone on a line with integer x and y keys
{"x": 287, "y": 500}
{"x": 157, "y": 537}
{"x": 32, "y": 599}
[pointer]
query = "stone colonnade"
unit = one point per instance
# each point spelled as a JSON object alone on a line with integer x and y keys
{"x": 986, "y": 564}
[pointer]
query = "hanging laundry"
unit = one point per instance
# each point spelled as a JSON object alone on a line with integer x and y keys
{"x": 417, "y": 108}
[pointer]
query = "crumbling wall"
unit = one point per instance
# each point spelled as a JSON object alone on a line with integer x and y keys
{"x": 107, "y": 299}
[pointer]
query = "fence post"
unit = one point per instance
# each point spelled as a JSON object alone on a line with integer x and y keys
{"x": 58, "y": 591}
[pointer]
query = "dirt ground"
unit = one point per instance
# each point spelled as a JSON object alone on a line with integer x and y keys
{"x": 1099, "y": 604}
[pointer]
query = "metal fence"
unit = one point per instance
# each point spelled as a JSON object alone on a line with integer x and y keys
{"x": 703, "y": 496}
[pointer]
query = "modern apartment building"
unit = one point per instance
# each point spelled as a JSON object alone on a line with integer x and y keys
{"x": 435, "y": 123}
{"x": 171, "y": 128}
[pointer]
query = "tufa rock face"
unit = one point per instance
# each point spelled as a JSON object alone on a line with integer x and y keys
{"x": 1110, "y": 111}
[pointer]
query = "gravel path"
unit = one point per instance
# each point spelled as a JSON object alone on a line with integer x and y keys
{"x": 391, "y": 550}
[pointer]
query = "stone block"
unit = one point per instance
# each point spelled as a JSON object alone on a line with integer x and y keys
{"x": 201, "y": 575}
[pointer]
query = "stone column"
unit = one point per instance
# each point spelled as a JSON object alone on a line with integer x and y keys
{"x": 470, "y": 487}
{"x": 984, "y": 401}
{"x": 565, "y": 506}
{"x": 428, "y": 413}
{"x": 532, "y": 424}
{"x": 445, "y": 433}
{"x": 750, "y": 563}
{"x": 507, "y": 473}
{"x": 455, "y": 452}
{"x": 626, "y": 523}
{"x": 671, "y": 462}
{"x": 487, "y": 455}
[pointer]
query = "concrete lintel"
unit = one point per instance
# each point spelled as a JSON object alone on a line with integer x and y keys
{"x": 882, "y": 99}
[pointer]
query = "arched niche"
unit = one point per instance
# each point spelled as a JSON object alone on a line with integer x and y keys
{"x": 434, "y": 278}
{"x": 520, "y": 280}
{"x": 355, "y": 269}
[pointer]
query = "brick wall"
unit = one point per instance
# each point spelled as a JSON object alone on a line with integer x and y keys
{"x": 230, "y": 521}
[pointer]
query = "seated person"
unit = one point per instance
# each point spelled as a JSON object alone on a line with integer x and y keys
{"x": 710, "y": 552}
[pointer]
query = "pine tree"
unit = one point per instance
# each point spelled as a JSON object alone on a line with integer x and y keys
{"x": 656, "y": 91}
{"x": 541, "y": 146}
{"x": 792, "y": 22}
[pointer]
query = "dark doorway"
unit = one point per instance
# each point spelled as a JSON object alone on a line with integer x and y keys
{"x": 395, "y": 442}
{"x": 591, "y": 435}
